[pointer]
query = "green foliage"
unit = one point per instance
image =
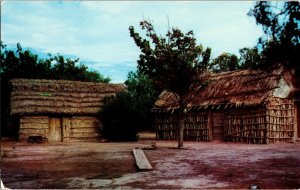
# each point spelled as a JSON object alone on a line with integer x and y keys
{"x": 281, "y": 25}
{"x": 171, "y": 62}
{"x": 95, "y": 76}
{"x": 144, "y": 95}
{"x": 250, "y": 58}
{"x": 118, "y": 118}
{"x": 18, "y": 63}
{"x": 280, "y": 21}
{"x": 24, "y": 64}
{"x": 225, "y": 62}
{"x": 129, "y": 112}
{"x": 67, "y": 69}
{"x": 279, "y": 44}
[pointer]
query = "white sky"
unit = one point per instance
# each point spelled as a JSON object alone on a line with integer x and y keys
{"x": 97, "y": 31}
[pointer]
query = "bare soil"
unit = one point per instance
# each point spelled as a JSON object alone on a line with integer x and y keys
{"x": 112, "y": 165}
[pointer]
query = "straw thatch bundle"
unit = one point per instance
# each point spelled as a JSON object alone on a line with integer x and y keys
{"x": 39, "y": 96}
{"x": 233, "y": 88}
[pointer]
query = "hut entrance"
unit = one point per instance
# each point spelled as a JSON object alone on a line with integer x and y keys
{"x": 298, "y": 118}
{"x": 217, "y": 125}
{"x": 55, "y": 130}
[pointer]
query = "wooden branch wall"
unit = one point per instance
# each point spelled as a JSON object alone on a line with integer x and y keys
{"x": 269, "y": 123}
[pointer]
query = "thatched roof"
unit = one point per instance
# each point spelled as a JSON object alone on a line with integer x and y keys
{"x": 32, "y": 96}
{"x": 233, "y": 88}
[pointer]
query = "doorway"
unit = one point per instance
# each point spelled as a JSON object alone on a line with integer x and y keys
{"x": 55, "y": 129}
{"x": 217, "y": 125}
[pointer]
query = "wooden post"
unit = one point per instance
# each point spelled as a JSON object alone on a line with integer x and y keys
{"x": 181, "y": 118}
{"x": 62, "y": 128}
{"x": 209, "y": 124}
{"x": 66, "y": 128}
{"x": 181, "y": 130}
{"x": 55, "y": 130}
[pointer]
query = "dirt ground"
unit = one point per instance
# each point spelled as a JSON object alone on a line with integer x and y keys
{"x": 112, "y": 165}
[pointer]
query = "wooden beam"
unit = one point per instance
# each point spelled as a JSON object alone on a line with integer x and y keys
{"x": 210, "y": 127}
{"x": 141, "y": 160}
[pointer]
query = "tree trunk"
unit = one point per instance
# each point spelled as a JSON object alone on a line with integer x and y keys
{"x": 180, "y": 123}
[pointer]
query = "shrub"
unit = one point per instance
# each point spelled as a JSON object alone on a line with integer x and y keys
{"x": 129, "y": 112}
{"x": 119, "y": 118}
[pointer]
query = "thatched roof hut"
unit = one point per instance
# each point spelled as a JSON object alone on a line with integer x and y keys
{"x": 245, "y": 105}
{"x": 39, "y": 96}
{"x": 233, "y": 88}
{"x": 59, "y": 110}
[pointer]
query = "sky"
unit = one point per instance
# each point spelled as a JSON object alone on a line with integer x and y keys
{"x": 97, "y": 31}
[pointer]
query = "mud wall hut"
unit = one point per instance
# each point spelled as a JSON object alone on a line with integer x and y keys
{"x": 59, "y": 110}
{"x": 239, "y": 106}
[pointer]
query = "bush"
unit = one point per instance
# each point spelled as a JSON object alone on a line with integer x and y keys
{"x": 129, "y": 112}
{"x": 119, "y": 118}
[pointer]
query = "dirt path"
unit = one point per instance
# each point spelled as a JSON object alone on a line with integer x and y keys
{"x": 111, "y": 165}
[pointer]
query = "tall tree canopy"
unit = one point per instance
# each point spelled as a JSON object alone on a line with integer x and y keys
{"x": 281, "y": 24}
{"x": 225, "y": 62}
{"x": 280, "y": 43}
{"x": 171, "y": 62}
{"x": 24, "y": 64}
{"x": 250, "y": 58}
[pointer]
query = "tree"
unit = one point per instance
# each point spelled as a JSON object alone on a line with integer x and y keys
{"x": 118, "y": 118}
{"x": 129, "y": 112}
{"x": 225, "y": 62}
{"x": 144, "y": 94}
{"x": 16, "y": 64}
{"x": 171, "y": 62}
{"x": 250, "y": 58}
{"x": 65, "y": 68}
{"x": 24, "y": 64}
{"x": 281, "y": 41}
